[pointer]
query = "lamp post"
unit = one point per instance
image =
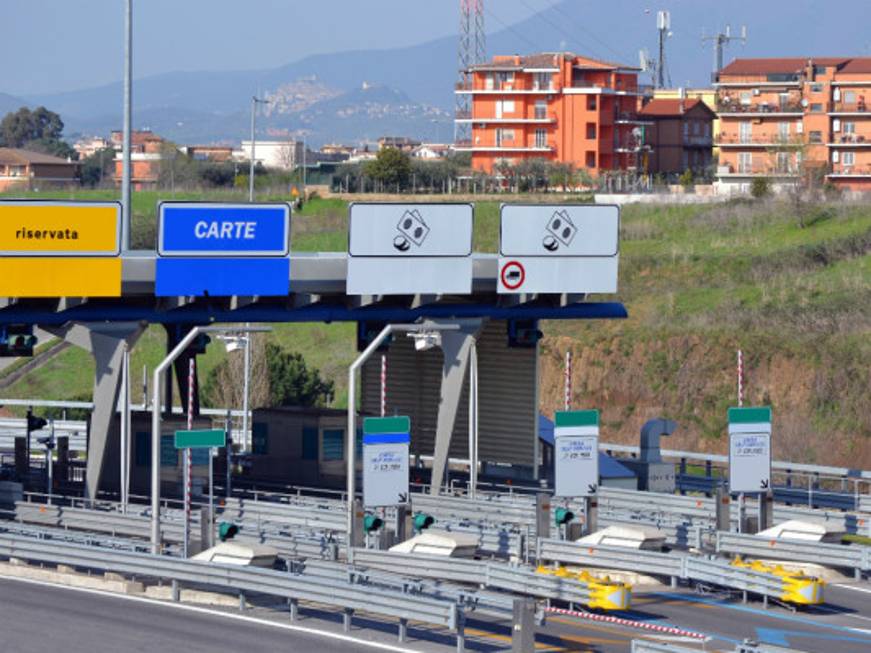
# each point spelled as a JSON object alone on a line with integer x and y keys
{"x": 155, "y": 416}
{"x": 254, "y": 102}
{"x": 231, "y": 343}
{"x": 127, "y": 220}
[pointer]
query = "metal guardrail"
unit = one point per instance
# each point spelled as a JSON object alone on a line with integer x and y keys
{"x": 350, "y": 596}
{"x": 634, "y": 500}
{"x": 855, "y": 557}
{"x": 653, "y": 563}
{"x": 652, "y": 646}
{"x": 64, "y": 535}
{"x": 679, "y": 531}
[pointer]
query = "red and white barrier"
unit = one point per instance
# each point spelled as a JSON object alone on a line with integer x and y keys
{"x": 629, "y": 623}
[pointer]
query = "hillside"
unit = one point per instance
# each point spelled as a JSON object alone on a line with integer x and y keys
{"x": 699, "y": 282}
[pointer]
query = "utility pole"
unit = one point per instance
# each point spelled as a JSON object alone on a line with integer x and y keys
{"x": 127, "y": 221}
{"x": 720, "y": 41}
{"x": 254, "y": 102}
{"x": 472, "y": 50}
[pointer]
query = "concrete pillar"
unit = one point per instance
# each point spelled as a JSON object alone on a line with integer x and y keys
{"x": 523, "y": 626}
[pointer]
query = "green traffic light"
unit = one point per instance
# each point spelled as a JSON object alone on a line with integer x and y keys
{"x": 563, "y": 516}
{"x": 226, "y": 531}
{"x": 422, "y": 521}
{"x": 371, "y": 523}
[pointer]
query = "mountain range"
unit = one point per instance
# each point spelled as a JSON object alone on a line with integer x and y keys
{"x": 361, "y": 95}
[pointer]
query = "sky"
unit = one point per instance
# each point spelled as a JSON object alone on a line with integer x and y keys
{"x": 72, "y": 44}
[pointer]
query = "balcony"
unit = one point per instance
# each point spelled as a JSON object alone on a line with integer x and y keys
{"x": 630, "y": 144}
{"x": 850, "y": 108}
{"x": 845, "y": 171}
{"x": 763, "y": 140}
{"x": 728, "y": 171}
{"x": 760, "y": 108}
{"x": 629, "y": 118}
{"x": 537, "y": 119}
{"x": 468, "y": 146}
{"x": 697, "y": 141}
{"x": 515, "y": 87}
{"x": 850, "y": 140}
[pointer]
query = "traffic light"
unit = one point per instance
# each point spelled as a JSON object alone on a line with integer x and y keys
{"x": 523, "y": 333}
{"x": 17, "y": 340}
{"x": 34, "y": 423}
{"x": 562, "y": 516}
{"x": 421, "y": 521}
{"x": 371, "y": 523}
{"x": 199, "y": 344}
{"x": 227, "y": 531}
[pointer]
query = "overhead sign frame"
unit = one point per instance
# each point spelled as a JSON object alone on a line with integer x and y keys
{"x": 386, "y": 442}
{"x": 283, "y": 250}
{"x": 46, "y": 229}
{"x": 576, "y": 453}
{"x": 749, "y": 449}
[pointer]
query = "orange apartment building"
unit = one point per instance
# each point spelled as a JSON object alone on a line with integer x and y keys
{"x": 777, "y": 114}
{"x": 555, "y": 106}
{"x": 680, "y": 135}
{"x": 147, "y": 152}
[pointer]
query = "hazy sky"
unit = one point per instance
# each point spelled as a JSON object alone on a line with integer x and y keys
{"x": 63, "y": 45}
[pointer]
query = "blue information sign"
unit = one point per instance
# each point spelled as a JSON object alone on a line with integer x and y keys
{"x": 222, "y": 250}
{"x": 201, "y": 229}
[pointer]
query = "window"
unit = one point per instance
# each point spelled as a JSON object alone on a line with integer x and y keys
{"x": 489, "y": 84}
{"x": 815, "y": 137}
{"x": 849, "y": 128}
{"x": 848, "y": 158}
{"x": 816, "y": 88}
{"x": 784, "y": 161}
{"x": 746, "y": 98}
{"x": 591, "y": 131}
{"x": 816, "y": 107}
{"x": 745, "y": 131}
{"x": 850, "y": 97}
{"x": 260, "y": 438}
{"x": 819, "y": 70}
{"x": 591, "y": 103}
{"x": 745, "y": 162}
{"x": 540, "y": 138}
{"x": 542, "y": 81}
{"x": 590, "y": 159}
{"x": 334, "y": 444}
{"x": 309, "y": 443}
{"x": 503, "y": 135}
{"x": 540, "y": 109}
{"x": 783, "y": 131}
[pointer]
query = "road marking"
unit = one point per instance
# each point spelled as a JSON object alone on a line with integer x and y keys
{"x": 864, "y": 590}
{"x": 218, "y": 613}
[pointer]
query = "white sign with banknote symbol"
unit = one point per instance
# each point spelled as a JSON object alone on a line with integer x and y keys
{"x": 409, "y": 249}
{"x": 546, "y": 248}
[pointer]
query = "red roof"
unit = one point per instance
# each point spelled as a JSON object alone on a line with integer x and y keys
{"x": 857, "y": 65}
{"x": 668, "y": 107}
{"x": 787, "y": 65}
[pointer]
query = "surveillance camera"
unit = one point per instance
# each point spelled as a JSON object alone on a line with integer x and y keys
{"x": 426, "y": 341}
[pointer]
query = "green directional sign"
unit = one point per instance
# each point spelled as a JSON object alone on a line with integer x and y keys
{"x": 200, "y": 439}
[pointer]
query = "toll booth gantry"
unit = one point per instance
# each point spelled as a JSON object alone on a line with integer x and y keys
{"x": 406, "y": 263}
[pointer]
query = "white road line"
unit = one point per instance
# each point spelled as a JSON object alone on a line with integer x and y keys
{"x": 846, "y": 615}
{"x": 216, "y": 613}
{"x": 864, "y": 590}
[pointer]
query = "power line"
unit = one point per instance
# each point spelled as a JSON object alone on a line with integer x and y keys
{"x": 541, "y": 15}
{"x": 511, "y": 29}
{"x": 580, "y": 27}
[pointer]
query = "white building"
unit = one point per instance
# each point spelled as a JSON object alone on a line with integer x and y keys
{"x": 275, "y": 154}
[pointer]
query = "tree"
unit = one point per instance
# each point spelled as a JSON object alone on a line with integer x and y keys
{"x": 391, "y": 167}
{"x": 52, "y": 146}
{"x": 98, "y": 167}
{"x": 25, "y": 126}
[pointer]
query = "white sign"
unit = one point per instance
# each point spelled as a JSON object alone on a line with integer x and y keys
{"x": 385, "y": 474}
{"x": 749, "y": 450}
{"x": 406, "y": 249}
{"x": 549, "y": 248}
{"x": 576, "y": 465}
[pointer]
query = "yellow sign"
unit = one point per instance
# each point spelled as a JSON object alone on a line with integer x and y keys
{"x": 43, "y": 228}
{"x": 60, "y": 277}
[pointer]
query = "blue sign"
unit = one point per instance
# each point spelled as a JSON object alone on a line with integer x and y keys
{"x": 223, "y": 250}
{"x": 203, "y": 229}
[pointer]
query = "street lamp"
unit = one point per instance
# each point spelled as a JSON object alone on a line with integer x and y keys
{"x": 254, "y": 102}
{"x": 155, "y": 416}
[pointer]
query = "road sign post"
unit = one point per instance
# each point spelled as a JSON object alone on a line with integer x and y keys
{"x": 188, "y": 441}
{"x": 385, "y": 461}
{"x": 750, "y": 450}
{"x": 576, "y": 453}
{"x": 558, "y": 248}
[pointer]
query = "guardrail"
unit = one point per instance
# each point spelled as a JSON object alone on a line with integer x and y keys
{"x": 856, "y": 557}
{"x": 350, "y": 596}
{"x": 652, "y": 646}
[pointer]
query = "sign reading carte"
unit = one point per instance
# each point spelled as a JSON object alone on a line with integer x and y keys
{"x": 385, "y": 461}
{"x": 576, "y": 453}
{"x": 223, "y": 249}
{"x": 409, "y": 249}
{"x": 60, "y": 249}
{"x": 549, "y": 248}
{"x": 749, "y": 449}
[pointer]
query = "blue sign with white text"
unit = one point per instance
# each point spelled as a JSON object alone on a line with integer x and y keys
{"x": 223, "y": 250}
{"x": 203, "y": 229}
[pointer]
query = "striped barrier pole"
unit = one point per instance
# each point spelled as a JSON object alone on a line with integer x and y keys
{"x": 629, "y": 623}
{"x": 740, "y": 378}
{"x": 187, "y": 459}
{"x": 383, "y": 385}
{"x": 567, "y": 399}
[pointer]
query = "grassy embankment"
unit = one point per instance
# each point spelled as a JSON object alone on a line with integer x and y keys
{"x": 699, "y": 282}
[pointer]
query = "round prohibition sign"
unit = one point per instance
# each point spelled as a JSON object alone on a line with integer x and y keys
{"x": 513, "y": 275}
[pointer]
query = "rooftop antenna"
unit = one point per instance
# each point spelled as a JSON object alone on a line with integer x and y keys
{"x": 720, "y": 41}
{"x": 663, "y": 25}
{"x": 472, "y": 50}
{"x": 647, "y": 63}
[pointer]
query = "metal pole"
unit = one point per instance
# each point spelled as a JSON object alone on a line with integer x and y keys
{"x": 49, "y": 459}
{"x": 125, "y": 425}
{"x": 251, "y": 169}
{"x": 245, "y": 389}
{"x": 473, "y": 420}
{"x": 228, "y": 450}
{"x": 188, "y": 455}
{"x": 304, "y": 171}
{"x": 155, "y": 422}
{"x": 128, "y": 119}
{"x": 211, "y": 497}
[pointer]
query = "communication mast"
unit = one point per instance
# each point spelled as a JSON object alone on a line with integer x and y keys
{"x": 472, "y": 50}
{"x": 720, "y": 41}
{"x": 663, "y": 25}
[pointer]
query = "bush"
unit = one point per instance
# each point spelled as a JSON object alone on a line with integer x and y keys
{"x": 760, "y": 187}
{"x": 686, "y": 180}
